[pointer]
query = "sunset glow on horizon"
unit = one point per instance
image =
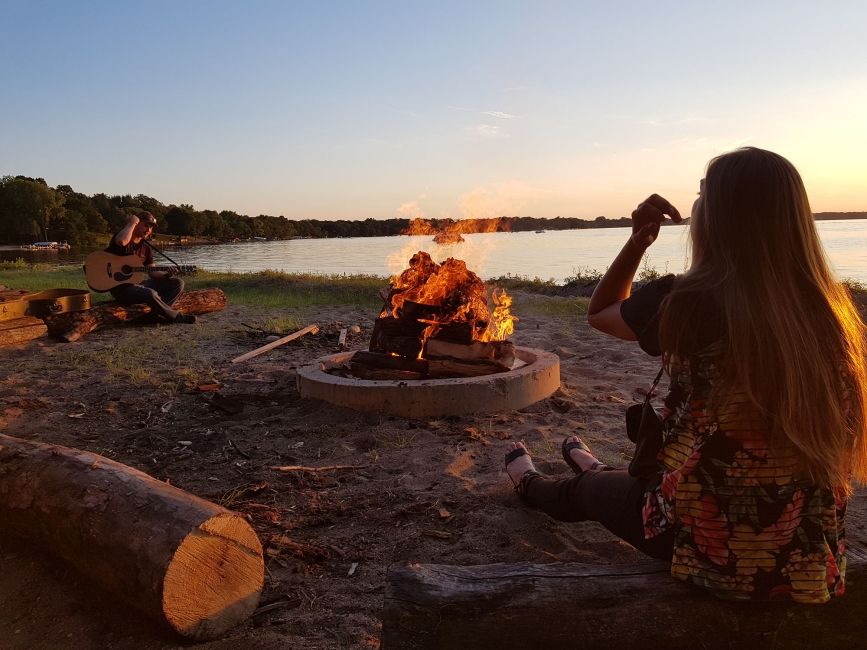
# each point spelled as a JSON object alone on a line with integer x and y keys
{"x": 380, "y": 110}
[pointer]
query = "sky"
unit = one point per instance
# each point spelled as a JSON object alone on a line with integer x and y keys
{"x": 369, "y": 109}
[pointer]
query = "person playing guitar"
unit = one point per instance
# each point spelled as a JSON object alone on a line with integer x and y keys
{"x": 162, "y": 288}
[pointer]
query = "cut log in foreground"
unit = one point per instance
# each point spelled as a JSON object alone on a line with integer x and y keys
{"x": 180, "y": 559}
{"x": 75, "y": 325}
{"x": 610, "y": 606}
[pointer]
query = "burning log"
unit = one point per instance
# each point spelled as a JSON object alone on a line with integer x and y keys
{"x": 436, "y": 323}
{"x": 501, "y": 353}
{"x": 375, "y": 365}
{"x": 390, "y": 362}
{"x": 76, "y": 325}
{"x": 402, "y": 336}
{"x": 183, "y": 561}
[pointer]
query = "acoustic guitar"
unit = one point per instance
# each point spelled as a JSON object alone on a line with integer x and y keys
{"x": 104, "y": 271}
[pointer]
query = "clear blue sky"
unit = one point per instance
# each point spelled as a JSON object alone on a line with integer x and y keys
{"x": 379, "y": 109}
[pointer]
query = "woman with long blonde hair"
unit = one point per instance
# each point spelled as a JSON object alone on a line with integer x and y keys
{"x": 765, "y": 419}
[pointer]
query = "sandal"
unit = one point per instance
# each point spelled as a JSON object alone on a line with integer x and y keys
{"x": 568, "y": 445}
{"x": 521, "y": 485}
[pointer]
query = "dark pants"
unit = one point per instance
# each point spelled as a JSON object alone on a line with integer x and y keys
{"x": 159, "y": 295}
{"x": 612, "y": 497}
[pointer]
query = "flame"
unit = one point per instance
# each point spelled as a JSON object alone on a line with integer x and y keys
{"x": 453, "y": 294}
{"x": 421, "y": 226}
{"x": 502, "y": 322}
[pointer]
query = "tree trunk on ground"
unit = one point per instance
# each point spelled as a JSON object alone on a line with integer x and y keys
{"x": 180, "y": 559}
{"x": 21, "y": 330}
{"x": 75, "y": 325}
{"x": 602, "y": 606}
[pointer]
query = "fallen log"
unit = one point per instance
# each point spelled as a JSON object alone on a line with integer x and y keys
{"x": 76, "y": 325}
{"x": 602, "y": 606}
{"x": 184, "y": 561}
{"x": 21, "y": 330}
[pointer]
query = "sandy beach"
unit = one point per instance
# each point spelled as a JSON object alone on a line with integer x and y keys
{"x": 430, "y": 490}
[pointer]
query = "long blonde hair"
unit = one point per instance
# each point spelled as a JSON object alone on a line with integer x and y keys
{"x": 792, "y": 339}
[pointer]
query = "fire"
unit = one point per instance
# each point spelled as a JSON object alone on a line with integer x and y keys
{"x": 452, "y": 228}
{"x": 452, "y": 294}
{"x": 502, "y": 322}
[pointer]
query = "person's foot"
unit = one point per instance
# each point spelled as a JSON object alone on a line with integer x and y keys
{"x": 518, "y": 464}
{"x": 188, "y": 319}
{"x": 575, "y": 450}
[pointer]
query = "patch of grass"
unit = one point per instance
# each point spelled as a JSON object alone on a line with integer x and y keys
{"x": 293, "y": 290}
{"x": 552, "y": 306}
{"x": 38, "y": 277}
{"x": 582, "y": 276}
{"x": 152, "y": 358}
{"x": 282, "y": 325}
{"x": 396, "y": 440}
{"x": 263, "y": 289}
{"x": 524, "y": 283}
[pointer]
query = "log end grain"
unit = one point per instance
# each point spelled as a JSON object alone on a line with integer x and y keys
{"x": 214, "y": 579}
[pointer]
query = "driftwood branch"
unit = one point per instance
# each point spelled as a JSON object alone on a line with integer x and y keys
{"x": 76, "y": 325}
{"x": 324, "y": 468}
{"x": 310, "y": 329}
{"x": 183, "y": 561}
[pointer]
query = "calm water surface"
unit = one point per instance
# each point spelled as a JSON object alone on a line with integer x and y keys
{"x": 549, "y": 255}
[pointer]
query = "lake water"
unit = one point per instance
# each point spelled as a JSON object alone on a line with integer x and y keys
{"x": 549, "y": 255}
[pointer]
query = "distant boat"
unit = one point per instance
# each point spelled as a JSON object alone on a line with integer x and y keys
{"x": 539, "y": 232}
{"x": 47, "y": 246}
{"x": 260, "y": 239}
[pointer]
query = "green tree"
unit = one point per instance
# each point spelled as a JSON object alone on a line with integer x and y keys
{"x": 28, "y": 209}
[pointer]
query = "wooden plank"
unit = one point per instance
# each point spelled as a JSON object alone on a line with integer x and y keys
{"x": 310, "y": 329}
{"x": 562, "y": 605}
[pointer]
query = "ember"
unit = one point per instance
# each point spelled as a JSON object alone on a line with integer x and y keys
{"x": 436, "y": 322}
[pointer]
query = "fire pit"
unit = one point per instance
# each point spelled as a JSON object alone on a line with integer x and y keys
{"x": 494, "y": 393}
{"x": 436, "y": 349}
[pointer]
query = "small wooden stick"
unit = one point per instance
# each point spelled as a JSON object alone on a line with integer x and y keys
{"x": 310, "y": 329}
{"x": 324, "y": 468}
{"x": 341, "y": 341}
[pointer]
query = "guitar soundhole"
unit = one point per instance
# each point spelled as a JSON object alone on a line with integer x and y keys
{"x": 123, "y": 274}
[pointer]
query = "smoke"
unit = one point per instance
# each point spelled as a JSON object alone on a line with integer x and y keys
{"x": 411, "y": 210}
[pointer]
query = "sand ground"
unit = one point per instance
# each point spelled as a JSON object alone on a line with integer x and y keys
{"x": 431, "y": 490}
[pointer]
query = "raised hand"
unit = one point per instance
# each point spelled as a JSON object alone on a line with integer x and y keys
{"x": 647, "y": 218}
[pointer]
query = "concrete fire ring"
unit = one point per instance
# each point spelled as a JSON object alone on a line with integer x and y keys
{"x": 495, "y": 393}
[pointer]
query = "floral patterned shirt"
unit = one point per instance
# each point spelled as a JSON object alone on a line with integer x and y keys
{"x": 748, "y": 527}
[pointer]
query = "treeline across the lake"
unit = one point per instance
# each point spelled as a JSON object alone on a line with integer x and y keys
{"x": 32, "y": 210}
